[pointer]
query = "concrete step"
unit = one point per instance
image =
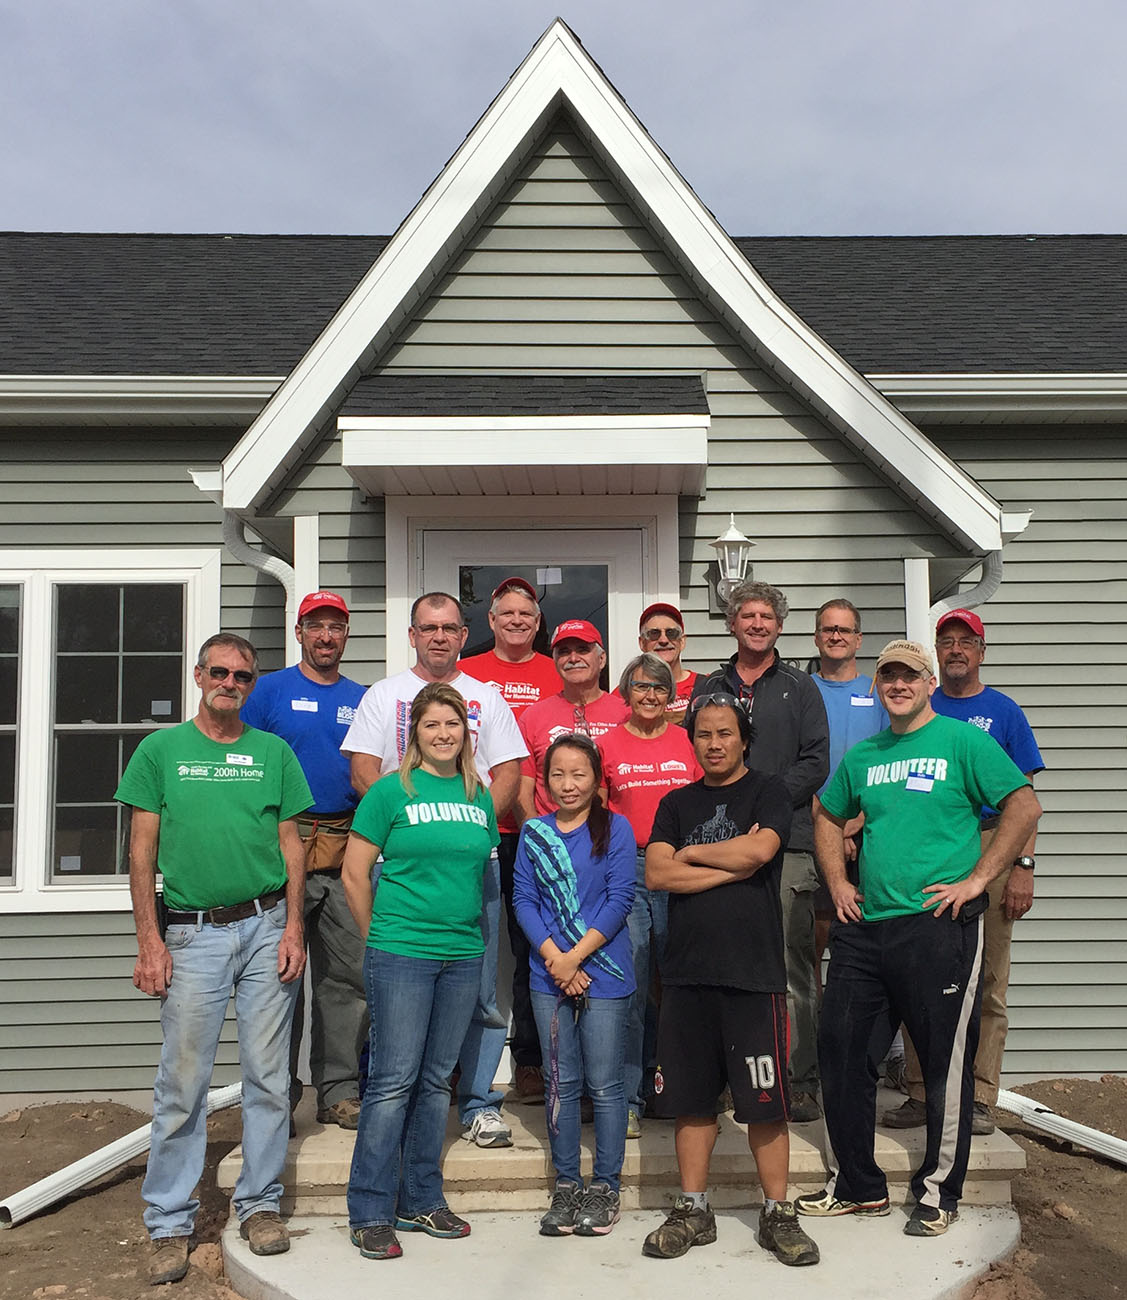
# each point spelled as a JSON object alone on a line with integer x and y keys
{"x": 516, "y": 1178}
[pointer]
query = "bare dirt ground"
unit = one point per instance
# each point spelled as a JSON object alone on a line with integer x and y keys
{"x": 93, "y": 1246}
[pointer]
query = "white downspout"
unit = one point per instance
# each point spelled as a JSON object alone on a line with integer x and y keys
{"x": 990, "y": 582}
{"x": 14, "y": 1209}
{"x": 235, "y": 540}
{"x": 1042, "y": 1117}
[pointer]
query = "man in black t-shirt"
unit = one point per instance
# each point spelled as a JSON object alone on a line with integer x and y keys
{"x": 717, "y": 846}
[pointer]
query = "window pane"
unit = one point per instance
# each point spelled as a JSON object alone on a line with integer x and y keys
{"x": 86, "y": 688}
{"x": 7, "y": 843}
{"x": 153, "y": 617}
{"x": 9, "y": 619}
{"x": 88, "y": 616}
{"x": 151, "y": 688}
{"x": 9, "y": 688}
{"x": 86, "y": 769}
{"x": 85, "y": 842}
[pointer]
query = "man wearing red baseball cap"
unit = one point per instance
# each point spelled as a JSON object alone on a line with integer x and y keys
{"x": 960, "y": 649}
{"x": 661, "y": 631}
{"x": 311, "y": 706}
{"x": 582, "y": 705}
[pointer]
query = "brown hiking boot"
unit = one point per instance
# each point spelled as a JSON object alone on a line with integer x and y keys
{"x": 684, "y": 1228}
{"x": 266, "y": 1233}
{"x": 780, "y": 1233}
{"x": 909, "y": 1114}
{"x": 529, "y": 1082}
{"x": 346, "y": 1113}
{"x": 169, "y": 1260}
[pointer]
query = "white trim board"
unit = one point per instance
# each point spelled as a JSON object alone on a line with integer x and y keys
{"x": 558, "y": 72}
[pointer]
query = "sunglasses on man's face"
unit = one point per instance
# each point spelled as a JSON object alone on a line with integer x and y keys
{"x": 240, "y": 675}
{"x": 656, "y": 633}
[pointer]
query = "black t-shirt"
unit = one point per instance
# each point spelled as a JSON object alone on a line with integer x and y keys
{"x": 731, "y": 935}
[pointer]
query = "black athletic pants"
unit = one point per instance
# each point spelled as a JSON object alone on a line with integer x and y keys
{"x": 925, "y": 971}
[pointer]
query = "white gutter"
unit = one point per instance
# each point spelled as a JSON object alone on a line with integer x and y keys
{"x": 1046, "y": 1119}
{"x": 14, "y": 1209}
{"x": 235, "y": 540}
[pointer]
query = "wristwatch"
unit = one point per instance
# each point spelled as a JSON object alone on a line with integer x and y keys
{"x": 1026, "y": 862}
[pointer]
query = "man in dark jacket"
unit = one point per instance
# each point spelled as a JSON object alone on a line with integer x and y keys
{"x": 790, "y": 737}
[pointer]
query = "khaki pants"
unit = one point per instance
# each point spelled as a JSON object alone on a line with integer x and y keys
{"x": 998, "y": 933}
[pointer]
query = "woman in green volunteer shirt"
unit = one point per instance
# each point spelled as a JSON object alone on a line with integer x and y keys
{"x": 433, "y": 823}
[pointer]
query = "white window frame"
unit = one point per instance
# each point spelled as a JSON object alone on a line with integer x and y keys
{"x": 38, "y": 572}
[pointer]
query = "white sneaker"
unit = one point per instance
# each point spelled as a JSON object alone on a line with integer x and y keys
{"x": 488, "y": 1129}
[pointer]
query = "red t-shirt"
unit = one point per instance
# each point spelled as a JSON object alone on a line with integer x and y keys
{"x": 639, "y": 771}
{"x": 521, "y": 685}
{"x": 552, "y": 717}
{"x": 676, "y": 709}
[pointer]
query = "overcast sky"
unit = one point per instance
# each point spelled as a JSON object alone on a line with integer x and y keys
{"x": 786, "y": 116}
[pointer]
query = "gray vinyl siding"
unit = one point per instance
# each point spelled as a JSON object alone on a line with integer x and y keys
{"x": 70, "y": 1018}
{"x": 563, "y": 276}
{"x": 1057, "y": 642}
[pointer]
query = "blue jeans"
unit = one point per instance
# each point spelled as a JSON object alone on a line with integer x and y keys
{"x": 591, "y": 1049}
{"x": 419, "y": 1011}
{"x": 648, "y": 924}
{"x": 207, "y": 962}
{"x": 480, "y": 1055}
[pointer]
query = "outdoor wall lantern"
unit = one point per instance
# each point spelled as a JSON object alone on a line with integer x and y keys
{"x": 733, "y": 559}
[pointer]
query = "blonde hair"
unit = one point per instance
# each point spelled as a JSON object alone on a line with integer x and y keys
{"x": 439, "y": 693}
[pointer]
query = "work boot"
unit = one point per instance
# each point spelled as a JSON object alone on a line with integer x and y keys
{"x": 265, "y": 1233}
{"x": 909, "y": 1114}
{"x": 169, "y": 1260}
{"x": 684, "y": 1228}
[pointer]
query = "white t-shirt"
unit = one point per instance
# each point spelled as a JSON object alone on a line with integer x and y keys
{"x": 383, "y": 721}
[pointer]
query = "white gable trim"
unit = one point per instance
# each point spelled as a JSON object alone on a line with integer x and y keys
{"x": 558, "y": 70}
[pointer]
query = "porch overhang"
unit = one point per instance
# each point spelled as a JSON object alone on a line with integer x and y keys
{"x": 526, "y": 455}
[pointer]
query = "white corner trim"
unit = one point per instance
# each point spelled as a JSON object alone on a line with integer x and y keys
{"x": 917, "y": 599}
{"x": 558, "y": 65}
{"x": 95, "y": 399}
{"x": 306, "y": 575}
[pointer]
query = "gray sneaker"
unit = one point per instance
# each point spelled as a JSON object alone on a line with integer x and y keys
{"x": 488, "y": 1129}
{"x": 599, "y": 1211}
{"x": 559, "y": 1219}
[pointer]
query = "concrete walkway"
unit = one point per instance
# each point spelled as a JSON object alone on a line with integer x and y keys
{"x": 504, "y": 1256}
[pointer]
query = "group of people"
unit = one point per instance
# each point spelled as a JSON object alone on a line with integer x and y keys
{"x": 668, "y": 856}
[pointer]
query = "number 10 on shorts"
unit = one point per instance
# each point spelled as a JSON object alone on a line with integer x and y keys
{"x": 762, "y": 1071}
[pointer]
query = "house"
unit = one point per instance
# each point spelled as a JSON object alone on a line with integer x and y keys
{"x": 561, "y": 365}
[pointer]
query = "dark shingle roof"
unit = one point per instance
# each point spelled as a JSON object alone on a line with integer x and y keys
{"x": 526, "y": 395}
{"x": 171, "y": 304}
{"x": 252, "y": 304}
{"x": 953, "y": 303}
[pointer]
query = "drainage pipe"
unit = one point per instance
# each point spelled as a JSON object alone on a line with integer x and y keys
{"x": 14, "y": 1209}
{"x": 1043, "y": 1117}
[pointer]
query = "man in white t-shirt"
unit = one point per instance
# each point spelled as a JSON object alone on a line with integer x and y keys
{"x": 375, "y": 743}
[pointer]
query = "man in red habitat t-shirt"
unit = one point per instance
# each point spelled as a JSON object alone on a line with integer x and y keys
{"x": 523, "y": 677}
{"x": 581, "y": 706}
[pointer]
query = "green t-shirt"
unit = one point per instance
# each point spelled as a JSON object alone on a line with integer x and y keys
{"x": 435, "y": 849}
{"x": 219, "y": 803}
{"x": 922, "y": 794}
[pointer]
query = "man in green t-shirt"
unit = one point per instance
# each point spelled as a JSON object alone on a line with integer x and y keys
{"x": 213, "y": 806}
{"x": 907, "y": 945}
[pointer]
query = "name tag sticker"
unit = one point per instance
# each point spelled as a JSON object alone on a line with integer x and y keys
{"x": 303, "y": 706}
{"x": 917, "y": 781}
{"x": 245, "y": 759}
{"x": 862, "y": 701}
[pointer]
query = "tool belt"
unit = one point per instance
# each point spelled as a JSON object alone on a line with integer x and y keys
{"x": 226, "y": 915}
{"x": 325, "y": 838}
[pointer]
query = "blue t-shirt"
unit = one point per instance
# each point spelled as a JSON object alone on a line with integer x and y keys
{"x": 313, "y": 720}
{"x": 605, "y": 895}
{"x": 854, "y": 713}
{"x": 998, "y": 716}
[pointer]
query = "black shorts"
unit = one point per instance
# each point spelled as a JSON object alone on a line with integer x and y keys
{"x": 708, "y": 1037}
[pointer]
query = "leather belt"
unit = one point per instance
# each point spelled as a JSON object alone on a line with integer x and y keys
{"x": 226, "y": 915}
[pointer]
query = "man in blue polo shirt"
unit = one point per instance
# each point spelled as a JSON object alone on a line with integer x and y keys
{"x": 960, "y": 649}
{"x": 311, "y": 705}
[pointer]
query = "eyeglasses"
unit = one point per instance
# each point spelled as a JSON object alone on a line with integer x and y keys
{"x": 646, "y": 688}
{"x": 657, "y": 633}
{"x": 838, "y": 631}
{"x": 429, "y": 630}
{"x": 963, "y": 642}
{"x": 893, "y": 673}
{"x": 721, "y": 698}
{"x": 333, "y": 629}
{"x": 240, "y": 675}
